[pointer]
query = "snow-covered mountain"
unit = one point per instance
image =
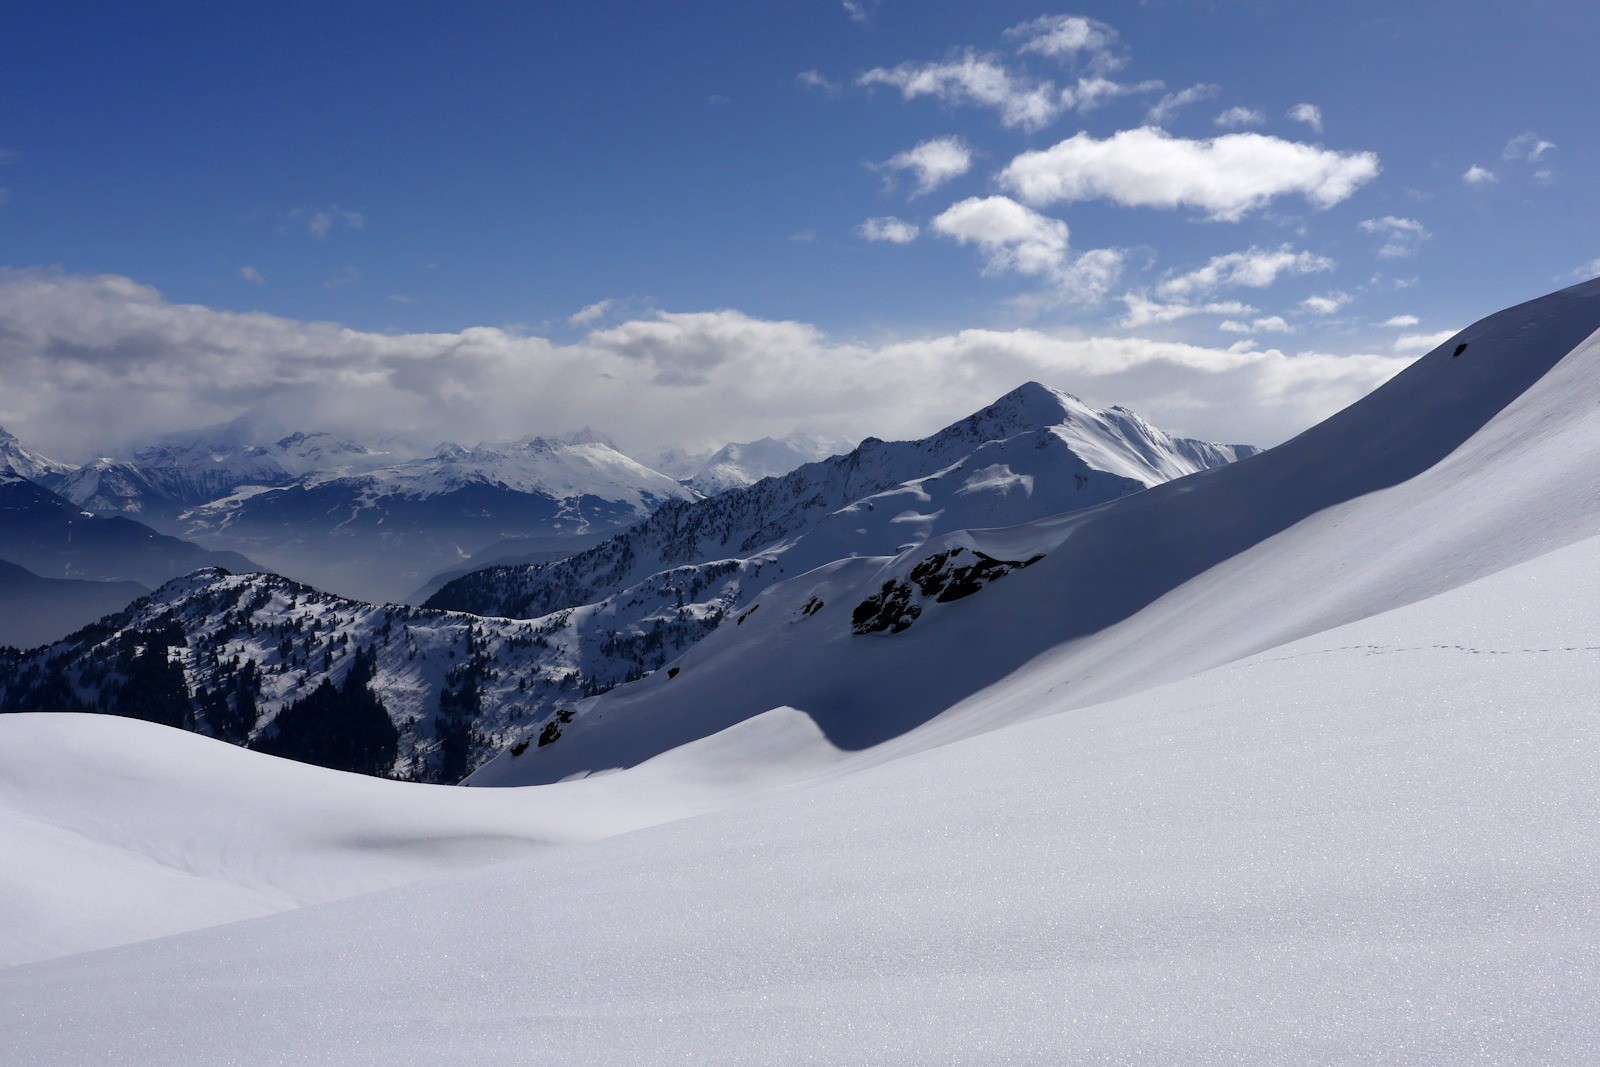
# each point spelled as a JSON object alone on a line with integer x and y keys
{"x": 1383, "y": 504}
{"x": 382, "y": 533}
{"x": 738, "y": 464}
{"x": 23, "y": 462}
{"x": 54, "y": 538}
{"x": 1286, "y": 762}
{"x": 410, "y": 693}
{"x": 1033, "y": 452}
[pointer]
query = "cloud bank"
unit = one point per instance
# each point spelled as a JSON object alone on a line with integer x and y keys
{"x": 92, "y": 363}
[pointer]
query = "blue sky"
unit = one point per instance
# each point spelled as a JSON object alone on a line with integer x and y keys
{"x": 1132, "y": 202}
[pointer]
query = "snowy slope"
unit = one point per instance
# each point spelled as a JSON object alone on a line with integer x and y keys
{"x": 1372, "y": 845}
{"x": 1115, "y": 451}
{"x": 1459, "y": 466}
{"x": 132, "y": 831}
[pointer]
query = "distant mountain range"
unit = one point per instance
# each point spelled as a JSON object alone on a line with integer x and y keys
{"x": 738, "y": 464}
{"x": 430, "y": 693}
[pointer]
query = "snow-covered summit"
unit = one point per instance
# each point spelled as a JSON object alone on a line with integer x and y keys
{"x": 23, "y": 462}
{"x": 1102, "y": 456}
{"x": 739, "y": 464}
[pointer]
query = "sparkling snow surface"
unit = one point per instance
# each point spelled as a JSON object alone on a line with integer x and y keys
{"x": 1356, "y": 824}
{"x": 1371, "y": 845}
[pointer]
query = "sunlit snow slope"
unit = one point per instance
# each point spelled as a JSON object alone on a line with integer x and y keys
{"x": 1459, "y": 466}
{"x": 1373, "y": 845}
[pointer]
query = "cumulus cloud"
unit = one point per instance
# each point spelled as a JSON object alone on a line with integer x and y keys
{"x": 88, "y": 364}
{"x": 1226, "y": 177}
{"x": 973, "y": 78}
{"x": 1325, "y": 303}
{"x": 933, "y": 162}
{"x": 1402, "y": 321}
{"x": 1255, "y": 268}
{"x": 978, "y": 79}
{"x": 1419, "y": 343}
{"x": 1172, "y": 103}
{"x": 1069, "y": 38}
{"x": 590, "y": 313}
{"x": 1235, "y": 117}
{"x": 250, "y": 274}
{"x": 889, "y": 229}
{"x": 1310, "y": 114}
{"x": 1019, "y": 240}
{"x": 1401, "y": 237}
{"x": 1477, "y": 175}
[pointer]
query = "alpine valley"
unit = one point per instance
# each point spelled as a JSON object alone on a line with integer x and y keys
{"x": 1049, "y": 737}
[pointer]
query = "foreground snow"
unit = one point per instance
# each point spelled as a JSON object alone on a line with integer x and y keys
{"x": 1374, "y": 844}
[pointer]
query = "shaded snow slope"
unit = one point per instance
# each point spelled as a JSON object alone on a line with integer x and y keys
{"x": 1459, "y": 466}
{"x": 117, "y": 830}
{"x": 1369, "y": 845}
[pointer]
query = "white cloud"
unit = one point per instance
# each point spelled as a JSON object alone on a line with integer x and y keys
{"x": 590, "y": 313}
{"x": 1235, "y": 117}
{"x": 1402, "y": 321}
{"x": 860, "y": 10}
{"x": 890, "y": 229}
{"x": 322, "y": 221}
{"x": 250, "y": 274}
{"x": 1256, "y": 268}
{"x": 1270, "y": 324}
{"x": 816, "y": 80}
{"x": 1227, "y": 176}
{"x": 933, "y": 162}
{"x": 1422, "y": 342}
{"x": 803, "y": 237}
{"x": 1477, "y": 175}
{"x": 1528, "y": 147}
{"x": 977, "y": 79}
{"x": 1068, "y": 37}
{"x": 1142, "y": 311}
{"x": 974, "y": 79}
{"x": 1401, "y": 237}
{"x": 1585, "y": 271}
{"x": 1325, "y": 304}
{"x": 1310, "y": 114}
{"x": 1090, "y": 93}
{"x": 347, "y": 276}
{"x": 88, "y": 364}
{"x": 1016, "y": 239}
{"x": 1172, "y": 103}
